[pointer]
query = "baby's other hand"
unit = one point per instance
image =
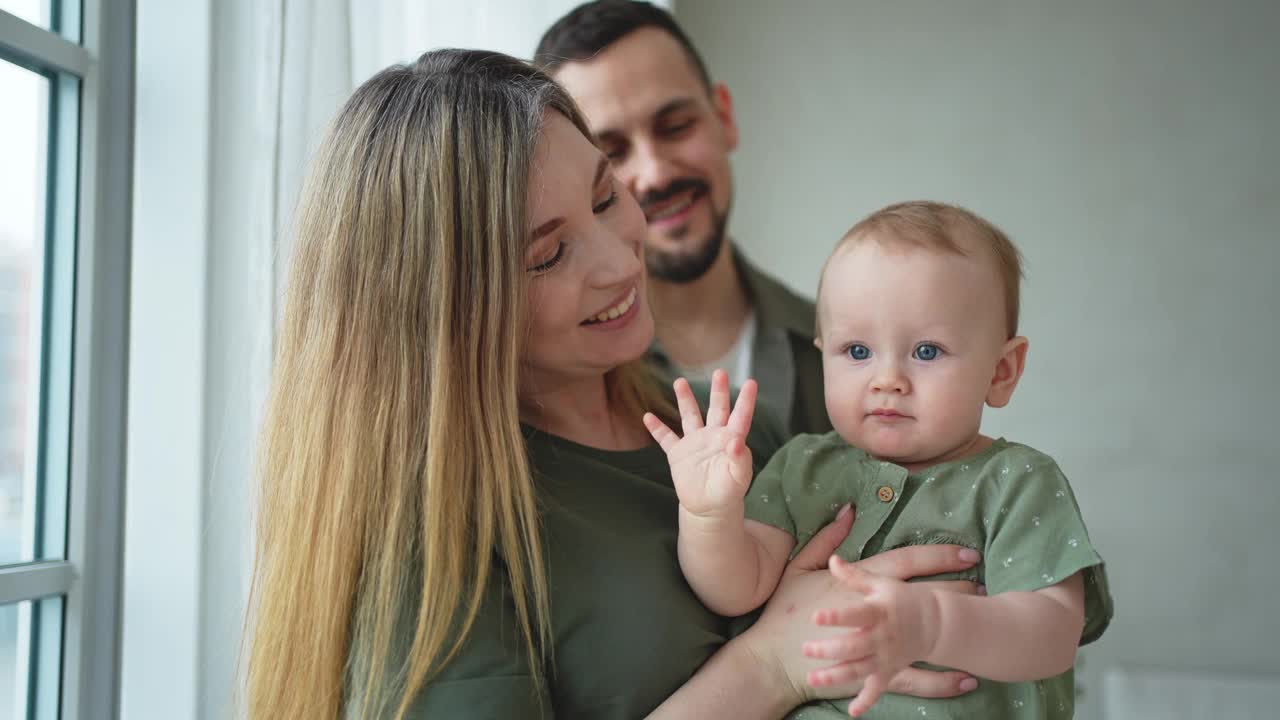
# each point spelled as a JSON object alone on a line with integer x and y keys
{"x": 892, "y": 627}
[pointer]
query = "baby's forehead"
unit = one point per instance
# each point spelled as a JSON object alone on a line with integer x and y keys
{"x": 912, "y": 284}
{"x": 968, "y": 258}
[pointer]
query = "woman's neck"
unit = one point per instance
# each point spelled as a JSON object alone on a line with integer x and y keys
{"x": 580, "y": 411}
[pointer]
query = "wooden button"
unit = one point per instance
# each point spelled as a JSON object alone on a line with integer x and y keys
{"x": 885, "y": 494}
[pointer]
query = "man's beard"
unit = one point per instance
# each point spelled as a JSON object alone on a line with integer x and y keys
{"x": 684, "y": 266}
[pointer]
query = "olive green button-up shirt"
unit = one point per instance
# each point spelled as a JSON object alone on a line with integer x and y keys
{"x": 1010, "y": 502}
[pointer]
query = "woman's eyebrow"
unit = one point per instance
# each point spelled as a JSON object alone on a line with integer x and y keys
{"x": 546, "y": 228}
{"x": 550, "y": 225}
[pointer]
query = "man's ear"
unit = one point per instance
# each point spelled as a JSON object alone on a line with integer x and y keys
{"x": 1013, "y": 360}
{"x": 722, "y": 101}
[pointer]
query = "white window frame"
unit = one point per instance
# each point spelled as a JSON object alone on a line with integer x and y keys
{"x": 94, "y": 232}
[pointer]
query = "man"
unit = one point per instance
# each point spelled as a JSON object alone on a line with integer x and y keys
{"x": 668, "y": 131}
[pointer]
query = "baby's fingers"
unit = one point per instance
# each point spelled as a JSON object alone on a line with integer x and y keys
{"x": 838, "y": 674}
{"x": 860, "y": 615}
{"x": 852, "y": 645}
{"x": 718, "y": 403}
{"x": 690, "y": 415}
{"x": 872, "y": 689}
{"x": 662, "y": 434}
{"x": 744, "y": 409}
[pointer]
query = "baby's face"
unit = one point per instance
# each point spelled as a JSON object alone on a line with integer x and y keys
{"x": 911, "y": 339}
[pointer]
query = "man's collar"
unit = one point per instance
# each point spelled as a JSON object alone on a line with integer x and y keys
{"x": 774, "y": 303}
{"x": 775, "y": 306}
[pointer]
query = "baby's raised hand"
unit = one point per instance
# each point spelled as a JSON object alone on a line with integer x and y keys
{"x": 711, "y": 464}
{"x": 890, "y": 628}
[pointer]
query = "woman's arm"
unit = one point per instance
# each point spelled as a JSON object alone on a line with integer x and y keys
{"x": 761, "y": 673}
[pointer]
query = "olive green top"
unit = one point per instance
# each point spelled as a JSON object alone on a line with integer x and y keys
{"x": 1010, "y": 502}
{"x": 627, "y": 631}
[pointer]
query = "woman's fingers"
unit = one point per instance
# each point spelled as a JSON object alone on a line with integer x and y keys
{"x": 931, "y": 683}
{"x": 818, "y": 550}
{"x": 920, "y": 561}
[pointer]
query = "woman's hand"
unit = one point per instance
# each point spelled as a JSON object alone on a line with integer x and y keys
{"x": 777, "y": 638}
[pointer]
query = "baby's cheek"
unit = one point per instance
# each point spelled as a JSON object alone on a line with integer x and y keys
{"x": 847, "y": 423}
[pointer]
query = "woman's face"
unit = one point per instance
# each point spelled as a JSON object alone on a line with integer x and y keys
{"x": 588, "y": 312}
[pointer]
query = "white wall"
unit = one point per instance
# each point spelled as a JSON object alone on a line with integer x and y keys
{"x": 1129, "y": 148}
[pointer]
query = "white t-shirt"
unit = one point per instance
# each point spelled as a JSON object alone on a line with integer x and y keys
{"x": 736, "y": 362}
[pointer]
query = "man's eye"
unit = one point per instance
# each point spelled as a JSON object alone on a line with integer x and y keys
{"x": 858, "y": 352}
{"x": 676, "y": 128}
{"x": 926, "y": 352}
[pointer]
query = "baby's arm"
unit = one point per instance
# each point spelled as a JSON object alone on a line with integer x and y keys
{"x": 1011, "y": 637}
{"x": 732, "y": 564}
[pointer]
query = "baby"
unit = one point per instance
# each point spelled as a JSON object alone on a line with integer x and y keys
{"x": 917, "y": 325}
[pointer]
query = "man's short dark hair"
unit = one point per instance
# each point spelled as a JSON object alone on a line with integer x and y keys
{"x": 590, "y": 28}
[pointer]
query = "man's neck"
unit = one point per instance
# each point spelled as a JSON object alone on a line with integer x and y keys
{"x": 698, "y": 322}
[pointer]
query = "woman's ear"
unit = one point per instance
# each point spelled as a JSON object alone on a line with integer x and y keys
{"x": 1013, "y": 360}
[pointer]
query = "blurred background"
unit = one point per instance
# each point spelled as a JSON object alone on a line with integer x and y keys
{"x": 150, "y": 156}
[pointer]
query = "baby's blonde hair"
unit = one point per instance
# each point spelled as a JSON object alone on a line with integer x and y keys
{"x": 943, "y": 228}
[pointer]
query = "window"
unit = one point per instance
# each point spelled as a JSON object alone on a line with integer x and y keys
{"x": 61, "y": 310}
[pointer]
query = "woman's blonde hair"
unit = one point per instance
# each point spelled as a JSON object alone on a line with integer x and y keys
{"x": 393, "y": 469}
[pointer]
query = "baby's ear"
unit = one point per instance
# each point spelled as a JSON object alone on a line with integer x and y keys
{"x": 1013, "y": 360}
{"x": 817, "y": 342}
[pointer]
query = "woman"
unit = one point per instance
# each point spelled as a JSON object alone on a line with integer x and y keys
{"x": 462, "y": 514}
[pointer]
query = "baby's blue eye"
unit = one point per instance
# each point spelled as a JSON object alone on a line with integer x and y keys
{"x": 927, "y": 352}
{"x": 859, "y": 352}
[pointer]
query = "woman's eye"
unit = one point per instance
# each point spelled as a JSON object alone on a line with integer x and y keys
{"x": 608, "y": 203}
{"x": 550, "y": 262}
{"x": 858, "y": 352}
{"x": 927, "y": 352}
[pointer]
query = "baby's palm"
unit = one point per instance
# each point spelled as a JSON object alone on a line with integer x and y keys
{"x": 710, "y": 465}
{"x": 707, "y": 473}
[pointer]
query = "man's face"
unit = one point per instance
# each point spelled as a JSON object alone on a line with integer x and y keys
{"x": 669, "y": 141}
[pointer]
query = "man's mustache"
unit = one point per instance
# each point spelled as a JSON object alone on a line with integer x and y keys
{"x": 653, "y": 197}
